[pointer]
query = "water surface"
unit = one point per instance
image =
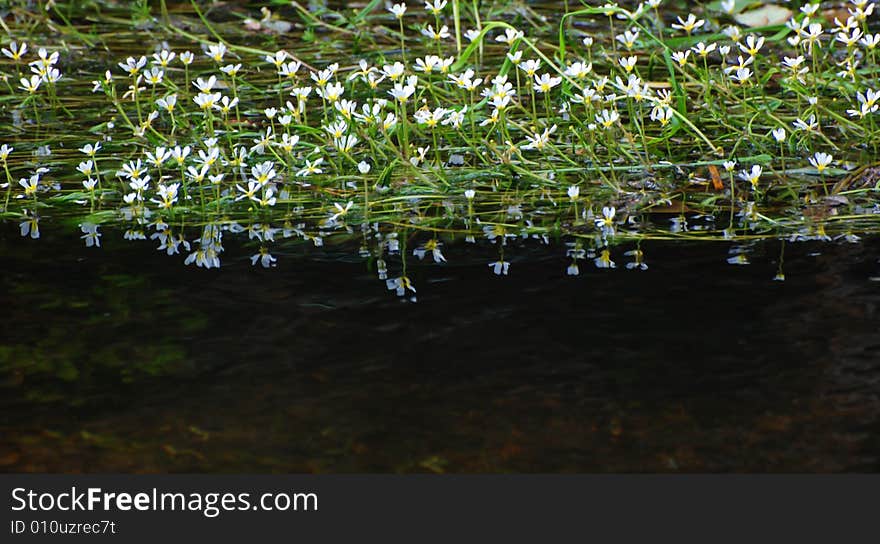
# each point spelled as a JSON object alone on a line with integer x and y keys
{"x": 121, "y": 359}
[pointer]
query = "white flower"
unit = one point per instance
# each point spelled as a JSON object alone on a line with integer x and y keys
{"x": 820, "y": 161}
{"x": 345, "y": 143}
{"x": 154, "y": 75}
{"x": 180, "y": 153}
{"x": 215, "y": 52}
{"x": 419, "y": 157}
{"x": 311, "y": 167}
{"x": 607, "y": 219}
{"x": 681, "y": 57}
{"x": 167, "y": 195}
{"x": 397, "y": 10}
{"x": 752, "y": 45}
{"x": 753, "y": 175}
{"x": 545, "y": 82}
{"x": 539, "y": 141}
{"x": 168, "y": 103}
{"x": 277, "y": 58}
{"x": 30, "y": 184}
{"x": 268, "y": 198}
{"x": 440, "y": 34}
{"x": 662, "y": 114}
{"x": 628, "y": 63}
{"x": 628, "y": 38}
{"x": 688, "y": 25}
{"x": 607, "y": 118}
{"x": 703, "y": 50}
{"x": 402, "y": 92}
{"x": 86, "y": 168}
{"x": 226, "y": 105}
{"x": 579, "y": 70}
{"x": 341, "y": 211}
{"x": 530, "y": 67}
{"x": 31, "y": 85}
{"x": 809, "y": 9}
{"x": 331, "y": 92}
{"x": 510, "y": 35}
{"x": 363, "y": 167}
{"x": 779, "y": 134}
{"x": 132, "y": 65}
{"x": 871, "y": 41}
{"x": 207, "y": 101}
{"x": 809, "y": 125}
{"x": 742, "y": 75}
{"x": 574, "y": 192}
{"x": 263, "y": 173}
{"x": 15, "y": 51}
{"x": 205, "y": 85}
{"x": 393, "y": 71}
{"x": 389, "y": 122}
{"x": 163, "y": 58}
{"x": 455, "y": 117}
{"x": 436, "y": 7}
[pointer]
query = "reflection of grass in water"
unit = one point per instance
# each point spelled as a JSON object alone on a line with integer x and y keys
{"x": 95, "y": 336}
{"x": 527, "y": 129}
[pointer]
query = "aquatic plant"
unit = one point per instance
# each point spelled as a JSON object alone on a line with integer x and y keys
{"x": 532, "y": 130}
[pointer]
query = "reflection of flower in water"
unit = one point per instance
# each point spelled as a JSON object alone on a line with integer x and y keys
{"x": 431, "y": 246}
{"x": 679, "y": 224}
{"x": 739, "y": 255}
{"x": 638, "y": 262}
{"x": 400, "y": 286}
{"x": 168, "y": 242}
{"x": 90, "y": 234}
{"x": 210, "y": 248}
{"x": 604, "y": 259}
{"x": 500, "y": 267}
{"x": 266, "y": 259}
{"x": 493, "y": 232}
{"x": 576, "y": 252}
{"x": 30, "y": 226}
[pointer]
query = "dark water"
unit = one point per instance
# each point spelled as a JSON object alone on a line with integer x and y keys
{"x": 121, "y": 359}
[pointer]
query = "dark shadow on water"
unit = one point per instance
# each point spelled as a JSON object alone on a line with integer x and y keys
{"x": 121, "y": 359}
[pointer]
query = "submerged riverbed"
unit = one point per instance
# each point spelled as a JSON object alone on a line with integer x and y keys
{"x": 123, "y": 360}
